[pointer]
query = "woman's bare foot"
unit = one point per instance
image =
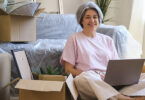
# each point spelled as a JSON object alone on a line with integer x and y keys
{"x": 123, "y": 97}
{"x": 139, "y": 98}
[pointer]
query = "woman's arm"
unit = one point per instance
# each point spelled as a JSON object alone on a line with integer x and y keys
{"x": 69, "y": 68}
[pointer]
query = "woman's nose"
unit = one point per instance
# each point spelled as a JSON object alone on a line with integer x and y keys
{"x": 91, "y": 20}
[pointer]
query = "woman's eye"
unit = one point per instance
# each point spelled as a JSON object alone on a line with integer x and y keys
{"x": 87, "y": 17}
{"x": 95, "y": 17}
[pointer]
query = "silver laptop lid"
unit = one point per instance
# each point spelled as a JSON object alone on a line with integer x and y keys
{"x": 123, "y": 72}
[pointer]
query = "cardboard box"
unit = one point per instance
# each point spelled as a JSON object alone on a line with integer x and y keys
{"x": 18, "y": 28}
{"x": 48, "y": 87}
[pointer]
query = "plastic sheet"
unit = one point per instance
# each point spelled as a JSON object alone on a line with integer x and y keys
{"x": 56, "y": 26}
{"x": 22, "y": 7}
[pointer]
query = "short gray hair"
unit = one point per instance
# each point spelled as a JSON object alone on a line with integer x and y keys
{"x": 84, "y": 7}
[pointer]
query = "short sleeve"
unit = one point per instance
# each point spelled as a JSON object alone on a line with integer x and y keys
{"x": 69, "y": 53}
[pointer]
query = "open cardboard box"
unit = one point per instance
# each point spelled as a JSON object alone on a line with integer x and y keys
{"x": 48, "y": 87}
{"x": 18, "y": 28}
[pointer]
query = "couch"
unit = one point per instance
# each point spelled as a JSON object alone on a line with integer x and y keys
{"x": 52, "y": 33}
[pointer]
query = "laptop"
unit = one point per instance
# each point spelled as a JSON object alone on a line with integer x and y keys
{"x": 123, "y": 72}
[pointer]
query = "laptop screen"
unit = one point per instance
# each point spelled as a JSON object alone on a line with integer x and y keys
{"x": 124, "y": 71}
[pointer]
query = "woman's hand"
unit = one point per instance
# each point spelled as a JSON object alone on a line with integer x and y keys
{"x": 69, "y": 68}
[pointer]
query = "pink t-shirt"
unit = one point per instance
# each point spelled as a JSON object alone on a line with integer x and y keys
{"x": 87, "y": 53}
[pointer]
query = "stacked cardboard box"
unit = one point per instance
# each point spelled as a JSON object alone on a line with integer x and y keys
{"x": 18, "y": 28}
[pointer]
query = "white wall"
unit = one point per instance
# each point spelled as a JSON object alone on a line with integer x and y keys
{"x": 120, "y": 12}
{"x": 111, "y": 13}
{"x": 123, "y": 13}
{"x": 51, "y": 6}
{"x": 71, "y": 6}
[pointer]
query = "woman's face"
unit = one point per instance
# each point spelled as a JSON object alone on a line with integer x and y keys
{"x": 90, "y": 20}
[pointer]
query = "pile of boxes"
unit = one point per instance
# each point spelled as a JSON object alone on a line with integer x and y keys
{"x": 22, "y": 28}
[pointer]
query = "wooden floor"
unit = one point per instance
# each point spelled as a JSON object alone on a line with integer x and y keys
{"x": 143, "y": 69}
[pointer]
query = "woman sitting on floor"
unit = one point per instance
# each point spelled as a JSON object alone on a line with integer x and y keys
{"x": 86, "y": 55}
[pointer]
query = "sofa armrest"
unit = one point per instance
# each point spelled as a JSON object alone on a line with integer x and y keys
{"x": 123, "y": 40}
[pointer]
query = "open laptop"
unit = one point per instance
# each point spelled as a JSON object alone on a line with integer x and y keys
{"x": 123, "y": 72}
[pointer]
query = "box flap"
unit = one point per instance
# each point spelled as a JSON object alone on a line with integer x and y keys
{"x": 39, "y": 11}
{"x": 2, "y": 12}
{"x": 71, "y": 86}
{"x": 39, "y": 85}
{"x": 52, "y": 77}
